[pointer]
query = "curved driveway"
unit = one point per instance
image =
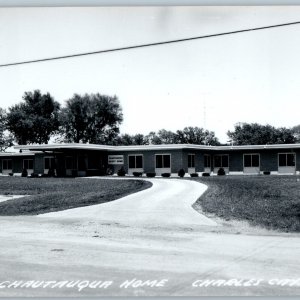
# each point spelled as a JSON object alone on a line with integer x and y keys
{"x": 150, "y": 235}
{"x": 167, "y": 202}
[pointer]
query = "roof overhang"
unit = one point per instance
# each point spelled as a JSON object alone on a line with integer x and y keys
{"x": 78, "y": 146}
{"x": 12, "y": 154}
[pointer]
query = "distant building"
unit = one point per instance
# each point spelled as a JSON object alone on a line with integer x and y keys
{"x": 91, "y": 160}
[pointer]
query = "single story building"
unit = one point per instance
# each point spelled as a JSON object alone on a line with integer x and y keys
{"x": 89, "y": 160}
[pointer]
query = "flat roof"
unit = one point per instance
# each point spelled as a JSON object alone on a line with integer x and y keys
{"x": 79, "y": 146}
{"x": 9, "y": 154}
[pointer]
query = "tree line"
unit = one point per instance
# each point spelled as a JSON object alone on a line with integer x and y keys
{"x": 96, "y": 118}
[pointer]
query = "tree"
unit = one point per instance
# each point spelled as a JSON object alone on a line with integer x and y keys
{"x": 296, "y": 132}
{"x": 153, "y": 139}
{"x": 127, "y": 140}
{"x": 196, "y": 135}
{"x": 6, "y": 139}
{"x": 189, "y": 135}
{"x": 256, "y": 134}
{"x": 167, "y": 137}
{"x": 91, "y": 118}
{"x": 139, "y": 139}
{"x": 35, "y": 119}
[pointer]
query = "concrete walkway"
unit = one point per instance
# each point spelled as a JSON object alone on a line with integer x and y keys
{"x": 168, "y": 201}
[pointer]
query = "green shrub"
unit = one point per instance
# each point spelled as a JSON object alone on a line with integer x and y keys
{"x": 205, "y": 174}
{"x": 34, "y": 175}
{"x": 51, "y": 172}
{"x": 24, "y": 173}
{"x": 137, "y": 174}
{"x": 181, "y": 173}
{"x": 194, "y": 174}
{"x": 151, "y": 174}
{"x": 267, "y": 172}
{"x": 166, "y": 174}
{"x": 221, "y": 172}
{"x": 121, "y": 172}
{"x": 11, "y": 174}
{"x": 109, "y": 171}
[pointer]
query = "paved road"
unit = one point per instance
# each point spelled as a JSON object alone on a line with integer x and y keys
{"x": 160, "y": 239}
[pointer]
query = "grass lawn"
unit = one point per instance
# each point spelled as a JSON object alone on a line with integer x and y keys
{"x": 269, "y": 201}
{"x": 54, "y": 194}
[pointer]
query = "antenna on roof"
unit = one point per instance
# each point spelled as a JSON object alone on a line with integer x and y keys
{"x": 204, "y": 113}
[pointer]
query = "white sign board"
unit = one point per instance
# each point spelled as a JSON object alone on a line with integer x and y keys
{"x": 115, "y": 159}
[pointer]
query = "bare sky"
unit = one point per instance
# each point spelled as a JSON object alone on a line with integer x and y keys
{"x": 248, "y": 77}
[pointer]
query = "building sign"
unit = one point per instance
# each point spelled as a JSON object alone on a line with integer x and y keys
{"x": 115, "y": 159}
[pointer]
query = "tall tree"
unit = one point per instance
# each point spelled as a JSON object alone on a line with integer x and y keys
{"x": 139, "y": 139}
{"x": 125, "y": 140}
{"x": 256, "y": 134}
{"x": 35, "y": 119}
{"x": 153, "y": 138}
{"x": 167, "y": 137}
{"x": 6, "y": 139}
{"x": 196, "y": 135}
{"x": 91, "y": 118}
{"x": 296, "y": 132}
{"x": 189, "y": 135}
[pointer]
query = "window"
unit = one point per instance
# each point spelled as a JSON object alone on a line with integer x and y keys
{"x": 6, "y": 164}
{"x": 135, "y": 161}
{"x": 191, "y": 161}
{"x": 251, "y": 160}
{"x": 286, "y": 159}
{"x": 221, "y": 161}
{"x": 163, "y": 161}
{"x": 28, "y": 164}
{"x": 49, "y": 162}
{"x": 206, "y": 161}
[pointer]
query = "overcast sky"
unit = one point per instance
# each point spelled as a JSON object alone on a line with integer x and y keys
{"x": 248, "y": 77}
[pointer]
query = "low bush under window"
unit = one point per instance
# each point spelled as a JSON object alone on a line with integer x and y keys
{"x": 151, "y": 174}
{"x": 166, "y": 174}
{"x": 181, "y": 173}
{"x": 194, "y": 174}
{"x": 137, "y": 174}
{"x": 205, "y": 174}
{"x": 121, "y": 172}
{"x": 221, "y": 172}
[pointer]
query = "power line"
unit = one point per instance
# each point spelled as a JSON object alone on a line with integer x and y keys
{"x": 148, "y": 45}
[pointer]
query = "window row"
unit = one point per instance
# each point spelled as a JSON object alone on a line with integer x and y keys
{"x": 251, "y": 160}
{"x": 219, "y": 160}
{"x": 7, "y": 164}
